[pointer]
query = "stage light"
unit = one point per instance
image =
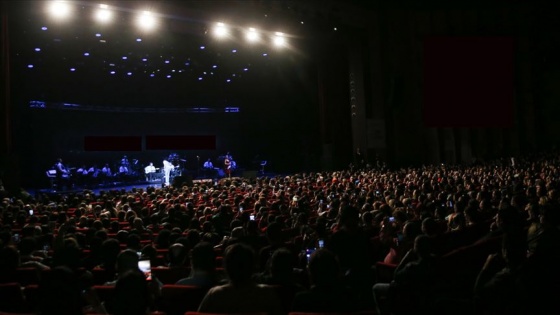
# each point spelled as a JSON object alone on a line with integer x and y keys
{"x": 103, "y": 14}
{"x": 44, "y": 28}
{"x": 37, "y": 49}
{"x": 252, "y": 35}
{"x": 59, "y": 9}
{"x": 86, "y": 54}
{"x": 220, "y": 30}
{"x": 279, "y": 39}
{"x": 146, "y": 20}
{"x": 30, "y": 66}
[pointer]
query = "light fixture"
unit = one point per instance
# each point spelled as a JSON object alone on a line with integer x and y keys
{"x": 59, "y": 9}
{"x": 252, "y": 35}
{"x": 220, "y": 30}
{"x": 146, "y": 20}
{"x": 279, "y": 40}
{"x": 103, "y": 14}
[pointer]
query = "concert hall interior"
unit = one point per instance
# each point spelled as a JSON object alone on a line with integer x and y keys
{"x": 324, "y": 81}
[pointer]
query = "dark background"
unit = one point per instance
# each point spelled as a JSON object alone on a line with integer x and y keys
{"x": 418, "y": 61}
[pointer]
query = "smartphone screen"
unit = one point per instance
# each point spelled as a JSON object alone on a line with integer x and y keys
{"x": 31, "y": 212}
{"x": 321, "y": 243}
{"x": 392, "y": 219}
{"x": 252, "y": 217}
{"x": 146, "y": 268}
{"x": 308, "y": 253}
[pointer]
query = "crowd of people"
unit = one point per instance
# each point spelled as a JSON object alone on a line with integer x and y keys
{"x": 479, "y": 239}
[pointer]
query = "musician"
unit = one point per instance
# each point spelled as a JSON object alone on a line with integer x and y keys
{"x": 167, "y": 168}
{"x": 227, "y": 165}
{"x": 150, "y": 170}
{"x": 106, "y": 170}
{"x": 125, "y": 162}
{"x": 208, "y": 165}
{"x": 62, "y": 174}
{"x": 123, "y": 170}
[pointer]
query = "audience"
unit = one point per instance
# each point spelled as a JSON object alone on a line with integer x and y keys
{"x": 362, "y": 217}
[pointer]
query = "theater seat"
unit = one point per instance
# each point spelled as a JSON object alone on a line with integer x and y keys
{"x": 351, "y": 313}
{"x": 199, "y": 313}
{"x": 12, "y": 298}
{"x": 27, "y": 276}
{"x": 32, "y": 298}
{"x": 170, "y": 275}
{"x": 179, "y": 299}
{"x": 384, "y": 272}
{"x": 106, "y": 294}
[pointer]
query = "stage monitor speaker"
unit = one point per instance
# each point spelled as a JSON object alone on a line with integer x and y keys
{"x": 179, "y": 181}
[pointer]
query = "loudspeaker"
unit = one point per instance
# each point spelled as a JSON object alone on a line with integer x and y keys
{"x": 185, "y": 180}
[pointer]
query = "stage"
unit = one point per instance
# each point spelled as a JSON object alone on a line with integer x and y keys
{"x": 188, "y": 179}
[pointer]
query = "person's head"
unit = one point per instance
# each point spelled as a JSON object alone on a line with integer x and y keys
{"x": 60, "y": 292}
{"x": 274, "y": 233}
{"x": 324, "y": 268}
{"x": 423, "y": 246}
{"x": 239, "y": 263}
{"x": 281, "y": 263}
{"x": 132, "y": 294}
{"x": 430, "y": 227}
{"x": 110, "y": 249}
{"x": 127, "y": 260}
{"x": 177, "y": 255}
{"x": 203, "y": 257}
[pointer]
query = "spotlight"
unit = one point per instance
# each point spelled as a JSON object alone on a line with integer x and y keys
{"x": 146, "y": 20}
{"x": 59, "y": 9}
{"x": 103, "y": 14}
{"x": 252, "y": 35}
{"x": 220, "y": 30}
{"x": 279, "y": 39}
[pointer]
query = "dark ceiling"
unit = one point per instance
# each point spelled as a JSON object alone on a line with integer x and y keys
{"x": 82, "y": 61}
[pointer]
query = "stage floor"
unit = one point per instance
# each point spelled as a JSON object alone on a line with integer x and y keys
{"x": 129, "y": 185}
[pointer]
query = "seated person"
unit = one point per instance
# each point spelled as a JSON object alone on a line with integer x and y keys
{"x": 327, "y": 294}
{"x": 414, "y": 279}
{"x": 203, "y": 271}
{"x": 241, "y": 294}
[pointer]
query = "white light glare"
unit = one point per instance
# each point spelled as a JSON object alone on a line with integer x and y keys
{"x": 220, "y": 30}
{"x": 279, "y": 39}
{"x": 252, "y": 35}
{"x": 146, "y": 20}
{"x": 103, "y": 14}
{"x": 59, "y": 9}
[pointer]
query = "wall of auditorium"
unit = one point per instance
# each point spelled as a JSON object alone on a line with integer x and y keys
{"x": 395, "y": 40}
